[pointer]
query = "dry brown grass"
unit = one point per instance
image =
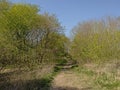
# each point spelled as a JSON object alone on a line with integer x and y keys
{"x": 89, "y": 76}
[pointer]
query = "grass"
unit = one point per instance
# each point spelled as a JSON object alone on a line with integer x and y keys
{"x": 100, "y": 76}
{"x": 90, "y": 76}
{"x": 109, "y": 82}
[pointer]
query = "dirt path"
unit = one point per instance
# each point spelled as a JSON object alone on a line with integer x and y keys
{"x": 67, "y": 80}
{"x": 89, "y": 77}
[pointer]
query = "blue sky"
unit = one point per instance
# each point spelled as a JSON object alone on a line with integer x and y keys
{"x": 70, "y": 12}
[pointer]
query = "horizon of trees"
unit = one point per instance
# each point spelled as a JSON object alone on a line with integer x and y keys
{"x": 29, "y": 38}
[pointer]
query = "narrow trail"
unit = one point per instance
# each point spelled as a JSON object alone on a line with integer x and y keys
{"x": 65, "y": 79}
{"x": 89, "y": 77}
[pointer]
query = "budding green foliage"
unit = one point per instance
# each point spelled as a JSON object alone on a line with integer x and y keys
{"x": 96, "y": 40}
{"x": 28, "y": 37}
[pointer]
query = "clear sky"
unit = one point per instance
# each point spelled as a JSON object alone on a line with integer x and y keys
{"x": 70, "y": 12}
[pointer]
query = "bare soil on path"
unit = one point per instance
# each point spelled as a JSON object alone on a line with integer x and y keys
{"x": 65, "y": 79}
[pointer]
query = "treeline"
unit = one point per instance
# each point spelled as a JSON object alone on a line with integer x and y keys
{"x": 28, "y": 37}
{"x": 96, "y": 40}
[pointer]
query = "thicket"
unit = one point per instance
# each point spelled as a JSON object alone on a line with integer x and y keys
{"x": 28, "y": 37}
{"x": 96, "y": 40}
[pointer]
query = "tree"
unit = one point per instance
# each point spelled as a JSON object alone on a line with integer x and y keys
{"x": 96, "y": 40}
{"x": 28, "y": 37}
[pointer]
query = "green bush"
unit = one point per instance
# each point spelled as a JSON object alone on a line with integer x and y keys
{"x": 95, "y": 41}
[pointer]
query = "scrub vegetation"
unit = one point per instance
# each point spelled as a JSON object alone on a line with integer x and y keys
{"x": 35, "y": 54}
